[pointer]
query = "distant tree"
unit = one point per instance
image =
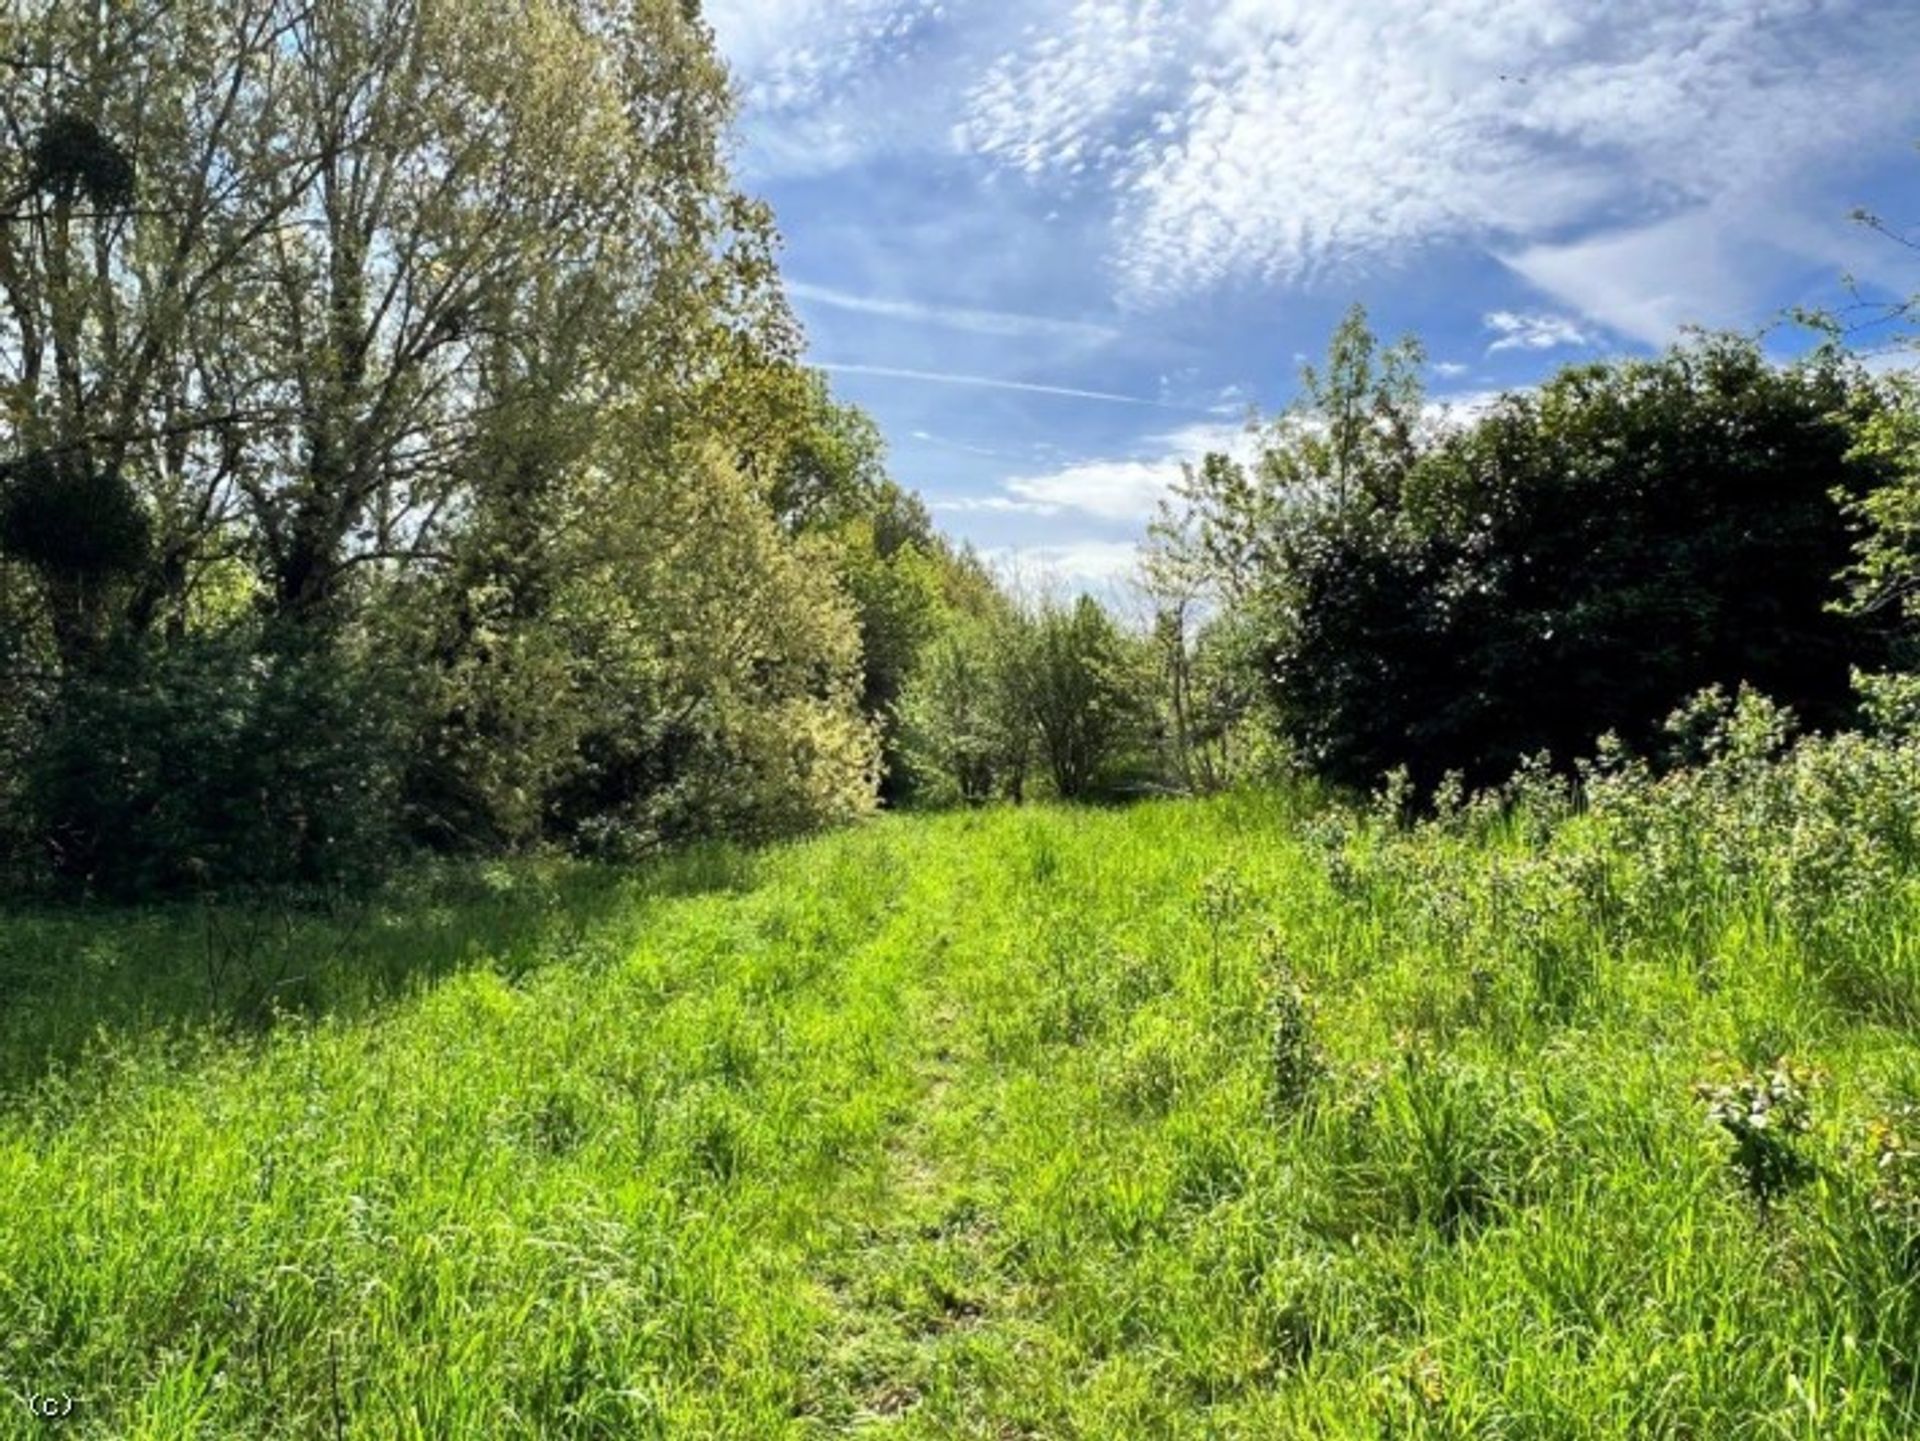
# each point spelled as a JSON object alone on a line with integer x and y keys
{"x": 823, "y": 465}
{"x": 1206, "y": 666}
{"x": 895, "y": 594}
{"x": 1273, "y": 542}
{"x": 961, "y": 737}
{"x": 1336, "y": 460}
{"x": 1081, "y": 691}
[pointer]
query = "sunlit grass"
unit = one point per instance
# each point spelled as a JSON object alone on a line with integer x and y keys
{"x": 1194, "y": 1119}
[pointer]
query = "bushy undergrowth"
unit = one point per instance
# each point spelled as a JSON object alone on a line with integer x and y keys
{"x": 1560, "y": 1111}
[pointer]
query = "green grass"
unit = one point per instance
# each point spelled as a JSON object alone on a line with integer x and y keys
{"x": 1181, "y": 1120}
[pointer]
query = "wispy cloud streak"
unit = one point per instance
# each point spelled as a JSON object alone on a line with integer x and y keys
{"x": 979, "y": 322}
{"x": 940, "y": 377}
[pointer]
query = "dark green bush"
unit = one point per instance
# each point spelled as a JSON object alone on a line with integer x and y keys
{"x": 1577, "y": 560}
{"x": 217, "y": 763}
{"x": 1592, "y": 554}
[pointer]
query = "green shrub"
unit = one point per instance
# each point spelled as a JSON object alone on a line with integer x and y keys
{"x": 218, "y": 763}
{"x": 1576, "y": 560}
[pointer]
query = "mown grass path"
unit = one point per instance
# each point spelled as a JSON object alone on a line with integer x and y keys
{"x": 1021, "y": 1124}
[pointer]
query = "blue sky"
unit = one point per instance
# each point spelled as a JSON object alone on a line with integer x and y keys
{"x": 1057, "y": 247}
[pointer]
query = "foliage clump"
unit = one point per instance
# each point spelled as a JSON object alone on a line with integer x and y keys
{"x": 1051, "y": 690}
{"x": 1893, "y": 1141}
{"x": 71, "y": 521}
{"x": 72, "y": 156}
{"x": 429, "y": 460}
{"x": 1765, "y": 1114}
{"x": 1452, "y": 594}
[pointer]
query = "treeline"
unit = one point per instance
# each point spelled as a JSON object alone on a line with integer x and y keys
{"x": 1387, "y": 586}
{"x": 403, "y": 446}
{"x": 1399, "y": 588}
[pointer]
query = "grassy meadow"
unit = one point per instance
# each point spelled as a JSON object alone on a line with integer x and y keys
{"x": 1234, "y": 1117}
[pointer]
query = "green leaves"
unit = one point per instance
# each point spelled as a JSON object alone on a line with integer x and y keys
{"x": 1574, "y": 561}
{"x": 1764, "y": 1113}
{"x": 441, "y": 339}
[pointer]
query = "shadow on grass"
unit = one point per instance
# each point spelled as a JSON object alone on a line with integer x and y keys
{"x": 72, "y": 974}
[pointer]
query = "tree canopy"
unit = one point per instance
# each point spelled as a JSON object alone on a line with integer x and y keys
{"x": 413, "y": 370}
{"x": 1576, "y": 560}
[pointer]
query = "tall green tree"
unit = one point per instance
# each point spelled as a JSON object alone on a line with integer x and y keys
{"x": 408, "y": 344}
{"x": 1334, "y": 461}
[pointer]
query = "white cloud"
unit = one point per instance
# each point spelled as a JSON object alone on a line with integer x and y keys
{"x": 1120, "y": 490}
{"x": 979, "y": 322}
{"x": 1516, "y": 331}
{"x": 1288, "y": 141}
{"x": 789, "y": 55}
{"x": 994, "y": 505}
{"x": 1892, "y": 359}
{"x": 1279, "y": 140}
{"x": 1464, "y": 407}
{"x": 1206, "y": 437}
{"x": 1703, "y": 267}
{"x": 1100, "y": 566}
{"x": 927, "y": 437}
{"x": 1124, "y": 489}
{"x": 820, "y": 77}
{"x": 1450, "y": 369}
{"x": 1061, "y": 106}
{"x": 1232, "y": 400}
